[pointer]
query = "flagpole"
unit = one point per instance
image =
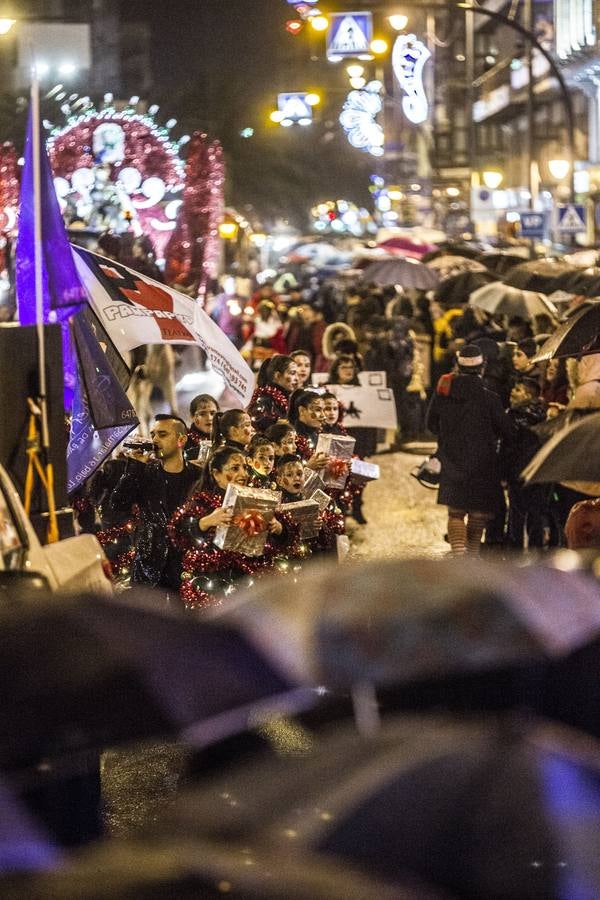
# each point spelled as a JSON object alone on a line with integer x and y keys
{"x": 37, "y": 250}
{"x": 52, "y": 533}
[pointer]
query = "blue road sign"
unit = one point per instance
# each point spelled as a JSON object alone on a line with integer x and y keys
{"x": 533, "y": 224}
{"x": 350, "y": 35}
{"x": 571, "y": 218}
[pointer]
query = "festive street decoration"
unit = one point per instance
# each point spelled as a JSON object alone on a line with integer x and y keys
{"x": 194, "y": 247}
{"x": 9, "y": 188}
{"x": 409, "y": 56}
{"x": 359, "y": 119}
{"x": 341, "y": 217}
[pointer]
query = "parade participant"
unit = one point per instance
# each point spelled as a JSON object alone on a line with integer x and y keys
{"x": 203, "y": 410}
{"x": 303, "y": 367}
{"x": 261, "y": 460}
{"x": 344, "y": 370}
{"x": 468, "y": 421}
{"x": 276, "y": 379}
{"x": 289, "y": 475}
{"x": 283, "y": 437}
{"x": 209, "y": 573}
{"x": 157, "y": 484}
{"x": 331, "y": 407}
{"x": 232, "y": 427}
{"x": 307, "y": 415}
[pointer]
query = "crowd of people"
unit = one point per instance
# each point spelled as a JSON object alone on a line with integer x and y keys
{"x": 459, "y": 376}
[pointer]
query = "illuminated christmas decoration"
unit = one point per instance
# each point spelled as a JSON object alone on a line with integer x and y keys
{"x": 342, "y": 217}
{"x": 359, "y": 119}
{"x": 409, "y": 56}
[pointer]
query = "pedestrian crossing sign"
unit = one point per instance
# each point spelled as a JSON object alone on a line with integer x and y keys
{"x": 571, "y": 218}
{"x": 350, "y": 35}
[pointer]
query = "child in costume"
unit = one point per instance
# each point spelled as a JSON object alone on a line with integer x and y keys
{"x": 261, "y": 460}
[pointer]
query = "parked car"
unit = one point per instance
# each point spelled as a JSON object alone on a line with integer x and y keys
{"x": 76, "y": 564}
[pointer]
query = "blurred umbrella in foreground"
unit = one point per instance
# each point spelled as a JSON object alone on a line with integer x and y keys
{"x": 406, "y": 272}
{"x": 91, "y": 671}
{"x": 572, "y": 454}
{"x": 537, "y": 275}
{"x": 498, "y": 298}
{"x": 455, "y": 291}
{"x": 477, "y": 808}
{"x": 178, "y": 868}
{"x": 578, "y": 335}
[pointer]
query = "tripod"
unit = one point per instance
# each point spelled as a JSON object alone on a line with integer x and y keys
{"x": 36, "y": 448}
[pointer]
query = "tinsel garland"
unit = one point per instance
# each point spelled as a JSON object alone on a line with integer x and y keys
{"x": 9, "y": 187}
{"x": 277, "y": 395}
{"x": 196, "y": 437}
{"x": 193, "y": 251}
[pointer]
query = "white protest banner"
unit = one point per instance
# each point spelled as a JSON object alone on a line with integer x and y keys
{"x": 136, "y": 310}
{"x": 366, "y": 407}
{"x": 373, "y": 379}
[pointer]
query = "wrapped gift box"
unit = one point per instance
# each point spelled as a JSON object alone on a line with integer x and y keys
{"x": 339, "y": 449}
{"x": 253, "y": 510}
{"x": 361, "y": 471}
{"x": 322, "y": 499}
{"x": 312, "y": 482}
{"x": 306, "y": 514}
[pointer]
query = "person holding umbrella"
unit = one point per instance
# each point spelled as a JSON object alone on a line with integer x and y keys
{"x": 468, "y": 420}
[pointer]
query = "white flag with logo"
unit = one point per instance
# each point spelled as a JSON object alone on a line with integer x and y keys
{"x": 137, "y": 310}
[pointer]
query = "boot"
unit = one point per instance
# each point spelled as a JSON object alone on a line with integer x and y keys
{"x": 357, "y": 513}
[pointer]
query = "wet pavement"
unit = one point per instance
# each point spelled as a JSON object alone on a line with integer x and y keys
{"x": 403, "y": 521}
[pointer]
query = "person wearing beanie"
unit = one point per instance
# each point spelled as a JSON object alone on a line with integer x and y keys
{"x": 468, "y": 421}
{"x": 522, "y": 364}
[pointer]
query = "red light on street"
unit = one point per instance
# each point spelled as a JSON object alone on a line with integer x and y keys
{"x": 294, "y": 26}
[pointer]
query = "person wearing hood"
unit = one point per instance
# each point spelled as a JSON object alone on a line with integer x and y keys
{"x": 468, "y": 421}
{"x": 587, "y": 391}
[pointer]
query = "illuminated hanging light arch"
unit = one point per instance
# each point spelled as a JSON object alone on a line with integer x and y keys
{"x": 409, "y": 56}
{"x": 359, "y": 119}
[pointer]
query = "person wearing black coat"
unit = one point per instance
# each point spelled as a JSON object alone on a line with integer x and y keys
{"x": 468, "y": 421}
{"x": 157, "y": 484}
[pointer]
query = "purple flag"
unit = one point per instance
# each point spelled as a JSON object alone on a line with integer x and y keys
{"x": 63, "y": 291}
{"x": 102, "y": 413}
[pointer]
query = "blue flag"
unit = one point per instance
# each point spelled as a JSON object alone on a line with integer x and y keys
{"x": 102, "y": 414}
{"x": 63, "y": 291}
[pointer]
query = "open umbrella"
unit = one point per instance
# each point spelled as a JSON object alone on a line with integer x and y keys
{"x": 93, "y": 671}
{"x": 456, "y": 248}
{"x": 498, "y": 298}
{"x": 406, "y": 272}
{"x": 481, "y": 809}
{"x": 578, "y": 335}
{"x": 179, "y": 868}
{"x": 582, "y": 283}
{"x": 454, "y": 265}
{"x": 407, "y": 246}
{"x": 572, "y": 454}
{"x": 501, "y": 262}
{"x": 455, "y": 291}
{"x": 538, "y": 275}
{"x": 583, "y": 259}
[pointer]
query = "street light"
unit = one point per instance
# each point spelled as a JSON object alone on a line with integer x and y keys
{"x": 559, "y": 168}
{"x": 355, "y": 71}
{"x": 228, "y": 230}
{"x": 379, "y": 46}
{"x": 313, "y": 99}
{"x": 398, "y": 22}
{"x": 319, "y": 23}
{"x": 492, "y": 178}
{"x": 6, "y": 25}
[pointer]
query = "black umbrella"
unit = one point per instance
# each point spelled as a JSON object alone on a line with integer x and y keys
{"x": 406, "y": 272}
{"x": 573, "y": 454}
{"x": 500, "y": 263}
{"x": 455, "y": 291}
{"x": 93, "y": 671}
{"x": 481, "y": 808}
{"x": 538, "y": 275}
{"x": 455, "y": 248}
{"x": 584, "y": 284}
{"x": 577, "y": 336}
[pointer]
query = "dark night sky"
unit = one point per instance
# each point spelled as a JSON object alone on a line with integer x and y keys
{"x": 218, "y": 64}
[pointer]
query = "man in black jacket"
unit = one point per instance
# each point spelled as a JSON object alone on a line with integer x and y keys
{"x": 157, "y": 483}
{"x": 468, "y": 421}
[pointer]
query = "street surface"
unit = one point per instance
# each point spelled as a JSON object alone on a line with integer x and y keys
{"x": 403, "y": 520}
